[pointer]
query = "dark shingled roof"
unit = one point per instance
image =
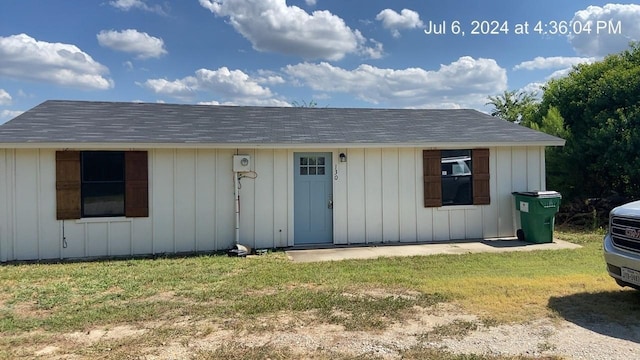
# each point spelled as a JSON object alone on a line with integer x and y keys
{"x": 142, "y": 123}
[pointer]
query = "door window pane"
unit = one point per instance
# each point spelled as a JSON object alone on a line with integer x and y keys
{"x": 312, "y": 165}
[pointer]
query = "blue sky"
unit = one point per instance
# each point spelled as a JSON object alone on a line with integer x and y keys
{"x": 338, "y": 53}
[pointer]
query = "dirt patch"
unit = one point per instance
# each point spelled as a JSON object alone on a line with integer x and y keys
{"x": 162, "y": 296}
{"x": 302, "y": 334}
{"x": 47, "y": 351}
{"x": 105, "y": 334}
{"x": 30, "y": 310}
{"x": 4, "y": 299}
{"x": 384, "y": 293}
{"x": 548, "y": 337}
{"x": 272, "y": 291}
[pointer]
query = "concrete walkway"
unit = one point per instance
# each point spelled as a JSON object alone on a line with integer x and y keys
{"x": 384, "y": 250}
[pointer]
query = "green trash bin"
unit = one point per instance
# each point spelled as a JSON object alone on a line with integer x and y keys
{"x": 537, "y": 215}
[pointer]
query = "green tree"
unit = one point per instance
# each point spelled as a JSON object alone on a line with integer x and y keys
{"x": 311, "y": 104}
{"x": 600, "y": 105}
{"x": 514, "y": 106}
{"x": 559, "y": 167}
{"x": 524, "y": 108}
{"x": 552, "y": 123}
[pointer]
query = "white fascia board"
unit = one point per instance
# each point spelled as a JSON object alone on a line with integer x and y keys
{"x": 428, "y": 145}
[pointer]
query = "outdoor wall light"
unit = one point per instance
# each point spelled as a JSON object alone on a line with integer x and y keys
{"x": 343, "y": 157}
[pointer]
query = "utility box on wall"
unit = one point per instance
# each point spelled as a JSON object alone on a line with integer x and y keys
{"x": 241, "y": 163}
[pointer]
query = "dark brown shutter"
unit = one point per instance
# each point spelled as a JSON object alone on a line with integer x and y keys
{"x": 67, "y": 185}
{"x": 480, "y": 161}
{"x": 136, "y": 170}
{"x": 432, "y": 172}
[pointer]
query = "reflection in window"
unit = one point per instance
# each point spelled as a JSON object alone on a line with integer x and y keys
{"x": 102, "y": 189}
{"x": 456, "y": 177}
{"x": 312, "y": 165}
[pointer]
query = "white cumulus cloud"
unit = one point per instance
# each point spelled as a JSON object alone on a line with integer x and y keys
{"x": 558, "y": 74}
{"x": 23, "y": 57}
{"x": 132, "y": 41}
{"x": 233, "y": 86}
{"x": 554, "y": 62}
{"x": 249, "y": 102}
{"x": 406, "y": 19}
{"x": 535, "y": 88}
{"x": 5, "y": 98}
{"x": 6, "y": 115}
{"x": 375, "y": 51}
{"x": 127, "y": 5}
{"x": 180, "y": 89}
{"x": 269, "y": 78}
{"x": 621, "y": 25}
{"x": 272, "y": 26}
{"x": 465, "y": 82}
{"x": 231, "y": 83}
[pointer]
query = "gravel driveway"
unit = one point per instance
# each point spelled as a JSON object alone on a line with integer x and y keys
{"x": 304, "y": 337}
{"x": 597, "y": 341}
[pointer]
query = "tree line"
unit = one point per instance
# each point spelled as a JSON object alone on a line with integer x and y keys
{"x": 596, "y": 109}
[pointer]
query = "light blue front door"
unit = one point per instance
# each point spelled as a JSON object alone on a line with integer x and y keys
{"x": 313, "y": 198}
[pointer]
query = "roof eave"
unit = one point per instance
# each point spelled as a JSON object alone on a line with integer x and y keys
{"x": 142, "y": 145}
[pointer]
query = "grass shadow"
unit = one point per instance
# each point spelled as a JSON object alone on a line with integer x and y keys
{"x": 611, "y": 313}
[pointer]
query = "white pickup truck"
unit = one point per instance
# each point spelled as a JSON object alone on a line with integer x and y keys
{"x": 622, "y": 245}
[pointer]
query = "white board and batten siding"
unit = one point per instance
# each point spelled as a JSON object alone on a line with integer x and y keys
{"x": 377, "y": 193}
{"x": 383, "y": 190}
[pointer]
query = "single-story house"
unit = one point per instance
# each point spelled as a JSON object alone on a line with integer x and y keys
{"x": 82, "y": 179}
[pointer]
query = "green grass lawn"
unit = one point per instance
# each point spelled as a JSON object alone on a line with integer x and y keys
{"x": 41, "y": 301}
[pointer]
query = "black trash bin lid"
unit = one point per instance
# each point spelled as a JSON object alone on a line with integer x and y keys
{"x": 540, "y": 194}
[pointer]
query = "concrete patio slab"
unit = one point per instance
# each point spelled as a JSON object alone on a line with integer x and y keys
{"x": 389, "y": 250}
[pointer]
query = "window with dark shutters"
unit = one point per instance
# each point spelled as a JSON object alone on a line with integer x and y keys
{"x": 437, "y": 169}
{"x": 136, "y": 184}
{"x": 102, "y": 177}
{"x": 70, "y": 184}
{"x": 480, "y": 165}
{"x": 432, "y": 182}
